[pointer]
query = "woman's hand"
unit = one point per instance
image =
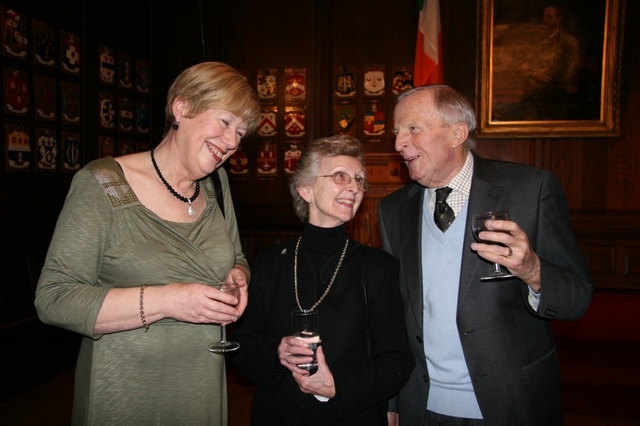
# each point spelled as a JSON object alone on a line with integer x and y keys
{"x": 321, "y": 383}
{"x": 202, "y": 304}
{"x": 288, "y": 348}
{"x": 195, "y": 303}
{"x": 239, "y": 276}
{"x": 392, "y": 419}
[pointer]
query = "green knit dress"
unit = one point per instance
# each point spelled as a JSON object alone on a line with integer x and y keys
{"x": 104, "y": 239}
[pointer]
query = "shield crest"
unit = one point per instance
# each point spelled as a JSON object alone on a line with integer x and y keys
{"x": 125, "y": 120}
{"x": 267, "y": 84}
{"x": 70, "y": 54}
{"x": 142, "y": 76}
{"x": 374, "y": 121}
{"x": 374, "y": 83}
{"x": 125, "y": 147}
{"x": 17, "y": 92}
{"x": 296, "y": 85}
{"x": 291, "y": 158}
{"x": 294, "y": 123}
{"x": 239, "y": 163}
{"x": 107, "y": 113}
{"x": 45, "y": 50}
{"x": 47, "y": 151}
{"x": 344, "y": 119}
{"x": 402, "y": 80}
{"x": 72, "y": 153}
{"x": 15, "y": 33}
{"x": 107, "y": 146}
{"x": 125, "y": 70}
{"x": 45, "y": 99}
{"x": 107, "y": 66}
{"x": 267, "y": 124}
{"x": 18, "y": 149}
{"x": 142, "y": 125}
{"x": 267, "y": 162}
{"x": 70, "y": 102}
{"x": 345, "y": 83}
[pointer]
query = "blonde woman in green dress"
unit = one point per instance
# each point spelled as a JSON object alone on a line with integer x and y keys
{"x": 138, "y": 244}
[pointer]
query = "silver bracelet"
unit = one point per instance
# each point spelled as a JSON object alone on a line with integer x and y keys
{"x": 144, "y": 320}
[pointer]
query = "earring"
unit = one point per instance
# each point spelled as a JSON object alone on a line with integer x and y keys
{"x": 176, "y": 125}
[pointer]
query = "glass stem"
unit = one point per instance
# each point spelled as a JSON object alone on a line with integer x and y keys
{"x": 223, "y": 334}
{"x": 496, "y": 268}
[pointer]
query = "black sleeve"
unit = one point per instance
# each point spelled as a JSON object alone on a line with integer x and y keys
{"x": 256, "y": 359}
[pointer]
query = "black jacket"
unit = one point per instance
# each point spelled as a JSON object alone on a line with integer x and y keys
{"x": 364, "y": 382}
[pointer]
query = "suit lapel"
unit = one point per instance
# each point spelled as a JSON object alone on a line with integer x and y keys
{"x": 411, "y": 230}
{"x": 486, "y": 195}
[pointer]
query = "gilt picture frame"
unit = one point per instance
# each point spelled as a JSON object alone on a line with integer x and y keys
{"x": 549, "y": 70}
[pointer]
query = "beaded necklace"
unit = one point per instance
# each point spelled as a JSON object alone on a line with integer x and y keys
{"x": 191, "y": 210}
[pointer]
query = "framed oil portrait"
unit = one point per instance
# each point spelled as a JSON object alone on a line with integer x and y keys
{"x": 547, "y": 69}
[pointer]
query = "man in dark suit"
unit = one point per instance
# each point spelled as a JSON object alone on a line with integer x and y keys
{"x": 485, "y": 353}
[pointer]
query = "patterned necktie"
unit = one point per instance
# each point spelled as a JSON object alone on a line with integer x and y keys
{"x": 443, "y": 214}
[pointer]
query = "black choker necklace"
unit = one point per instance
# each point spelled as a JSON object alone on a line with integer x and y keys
{"x": 173, "y": 191}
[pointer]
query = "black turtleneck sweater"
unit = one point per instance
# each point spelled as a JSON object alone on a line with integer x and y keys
{"x": 319, "y": 244}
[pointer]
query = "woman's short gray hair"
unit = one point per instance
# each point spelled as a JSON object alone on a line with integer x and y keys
{"x": 309, "y": 164}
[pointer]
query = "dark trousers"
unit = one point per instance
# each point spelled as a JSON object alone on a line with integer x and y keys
{"x": 435, "y": 419}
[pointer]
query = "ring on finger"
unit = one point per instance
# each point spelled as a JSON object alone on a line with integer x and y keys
{"x": 510, "y": 252}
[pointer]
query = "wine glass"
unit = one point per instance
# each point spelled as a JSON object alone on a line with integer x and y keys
{"x": 224, "y": 345}
{"x": 306, "y": 325}
{"x": 478, "y": 224}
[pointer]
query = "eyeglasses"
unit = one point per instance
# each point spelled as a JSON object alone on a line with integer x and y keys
{"x": 344, "y": 179}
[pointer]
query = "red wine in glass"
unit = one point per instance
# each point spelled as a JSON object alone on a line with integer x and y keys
{"x": 479, "y": 224}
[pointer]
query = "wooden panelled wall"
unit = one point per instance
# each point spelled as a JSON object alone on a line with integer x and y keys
{"x": 599, "y": 175}
{"x": 30, "y": 201}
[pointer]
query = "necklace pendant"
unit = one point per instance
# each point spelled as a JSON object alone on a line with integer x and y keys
{"x": 190, "y": 210}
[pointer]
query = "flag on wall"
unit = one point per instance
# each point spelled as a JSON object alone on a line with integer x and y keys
{"x": 428, "y": 62}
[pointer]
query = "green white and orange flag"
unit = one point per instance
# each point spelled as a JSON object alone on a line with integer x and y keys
{"x": 428, "y": 60}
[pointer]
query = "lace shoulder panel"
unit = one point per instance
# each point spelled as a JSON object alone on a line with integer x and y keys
{"x": 109, "y": 175}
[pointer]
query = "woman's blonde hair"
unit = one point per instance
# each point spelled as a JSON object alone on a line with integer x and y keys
{"x": 308, "y": 165}
{"x": 210, "y": 85}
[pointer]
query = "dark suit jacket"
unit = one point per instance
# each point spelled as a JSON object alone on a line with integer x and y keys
{"x": 508, "y": 347}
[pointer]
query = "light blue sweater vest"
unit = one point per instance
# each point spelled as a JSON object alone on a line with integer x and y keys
{"x": 451, "y": 392}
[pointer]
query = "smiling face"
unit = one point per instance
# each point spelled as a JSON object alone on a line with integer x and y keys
{"x": 212, "y": 137}
{"x": 331, "y": 204}
{"x": 432, "y": 149}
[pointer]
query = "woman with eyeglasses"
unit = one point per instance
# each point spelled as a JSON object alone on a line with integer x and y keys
{"x": 363, "y": 357}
